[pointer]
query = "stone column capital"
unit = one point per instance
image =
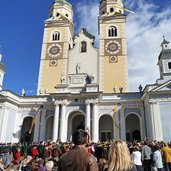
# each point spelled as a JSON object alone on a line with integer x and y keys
{"x": 61, "y": 102}
{"x": 88, "y": 102}
{"x": 95, "y": 101}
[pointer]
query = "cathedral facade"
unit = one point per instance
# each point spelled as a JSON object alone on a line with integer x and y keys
{"x": 81, "y": 86}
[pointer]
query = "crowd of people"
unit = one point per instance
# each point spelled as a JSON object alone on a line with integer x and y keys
{"x": 79, "y": 155}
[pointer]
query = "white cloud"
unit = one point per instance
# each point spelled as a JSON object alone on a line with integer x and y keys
{"x": 144, "y": 36}
{"x": 87, "y": 17}
{"x": 144, "y": 31}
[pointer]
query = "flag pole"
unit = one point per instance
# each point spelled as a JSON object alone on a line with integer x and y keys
{"x": 34, "y": 118}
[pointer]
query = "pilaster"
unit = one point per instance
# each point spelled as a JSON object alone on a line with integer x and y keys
{"x": 156, "y": 121}
{"x": 122, "y": 125}
{"x": 116, "y": 126}
{"x": 37, "y": 128}
{"x": 18, "y": 125}
{"x": 143, "y": 125}
{"x": 4, "y": 123}
{"x": 42, "y": 125}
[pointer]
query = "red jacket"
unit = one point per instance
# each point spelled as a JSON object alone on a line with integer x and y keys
{"x": 16, "y": 156}
{"x": 34, "y": 152}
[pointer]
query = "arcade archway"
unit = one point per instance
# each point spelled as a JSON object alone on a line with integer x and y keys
{"x": 132, "y": 128}
{"x": 49, "y": 128}
{"x": 76, "y": 120}
{"x": 105, "y": 128}
{"x": 25, "y": 136}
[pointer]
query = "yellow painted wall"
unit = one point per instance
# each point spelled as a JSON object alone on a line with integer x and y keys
{"x": 113, "y": 74}
{"x": 51, "y": 75}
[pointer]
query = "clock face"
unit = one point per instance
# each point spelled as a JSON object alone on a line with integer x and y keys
{"x": 54, "y": 50}
{"x": 113, "y": 47}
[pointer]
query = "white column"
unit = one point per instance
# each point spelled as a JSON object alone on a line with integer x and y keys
{"x": 122, "y": 124}
{"x": 87, "y": 119}
{"x": 42, "y": 125}
{"x": 63, "y": 131}
{"x": 95, "y": 125}
{"x": 56, "y": 123}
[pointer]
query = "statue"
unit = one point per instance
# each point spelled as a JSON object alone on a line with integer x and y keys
{"x": 78, "y": 68}
{"x": 23, "y": 92}
{"x": 114, "y": 89}
{"x": 62, "y": 79}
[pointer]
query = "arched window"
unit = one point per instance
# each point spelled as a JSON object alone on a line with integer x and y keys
{"x": 112, "y": 32}
{"x": 56, "y": 36}
{"x": 169, "y": 65}
{"x": 83, "y": 47}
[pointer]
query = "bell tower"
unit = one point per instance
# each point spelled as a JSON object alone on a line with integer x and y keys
{"x": 113, "y": 51}
{"x": 164, "y": 62}
{"x": 57, "y": 41}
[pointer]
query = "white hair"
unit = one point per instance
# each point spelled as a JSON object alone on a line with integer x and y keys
{"x": 49, "y": 165}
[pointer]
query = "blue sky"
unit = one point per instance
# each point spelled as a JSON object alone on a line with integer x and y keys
{"x": 21, "y": 32}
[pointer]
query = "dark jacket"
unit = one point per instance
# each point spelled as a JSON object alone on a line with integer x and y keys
{"x": 77, "y": 159}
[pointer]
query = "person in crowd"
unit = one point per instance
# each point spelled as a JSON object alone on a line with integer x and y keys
{"x": 41, "y": 165}
{"x": 47, "y": 152}
{"x": 102, "y": 164}
{"x": 56, "y": 152}
{"x": 16, "y": 156}
{"x": 24, "y": 148}
{"x": 166, "y": 153}
{"x": 49, "y": 165}
{"x": 40, "y": 149}
{"x": 25, "y": 164}
{"x": 136, "y": 158}
{"x": 1, "y": 164}
{"x": 34, "y": 152}
{"x": 78, "y": 159}
{"x": 6, "y": 158}
{"x": 146, "y": 156}
{"x": 157, "y": 158}
{"x": 119, "y": 158}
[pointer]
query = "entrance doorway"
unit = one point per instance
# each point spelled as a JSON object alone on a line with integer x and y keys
{"x": 76, "y": 120}
{"x": 25, "y": 135}
{"x": 133, "y": 128}
{"x": 49, "y": 128}
{"x": 105, "y": 128}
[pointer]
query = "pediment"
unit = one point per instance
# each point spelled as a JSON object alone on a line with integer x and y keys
{"x": 163, "y": 87}
{"x": 85, "y": 33}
